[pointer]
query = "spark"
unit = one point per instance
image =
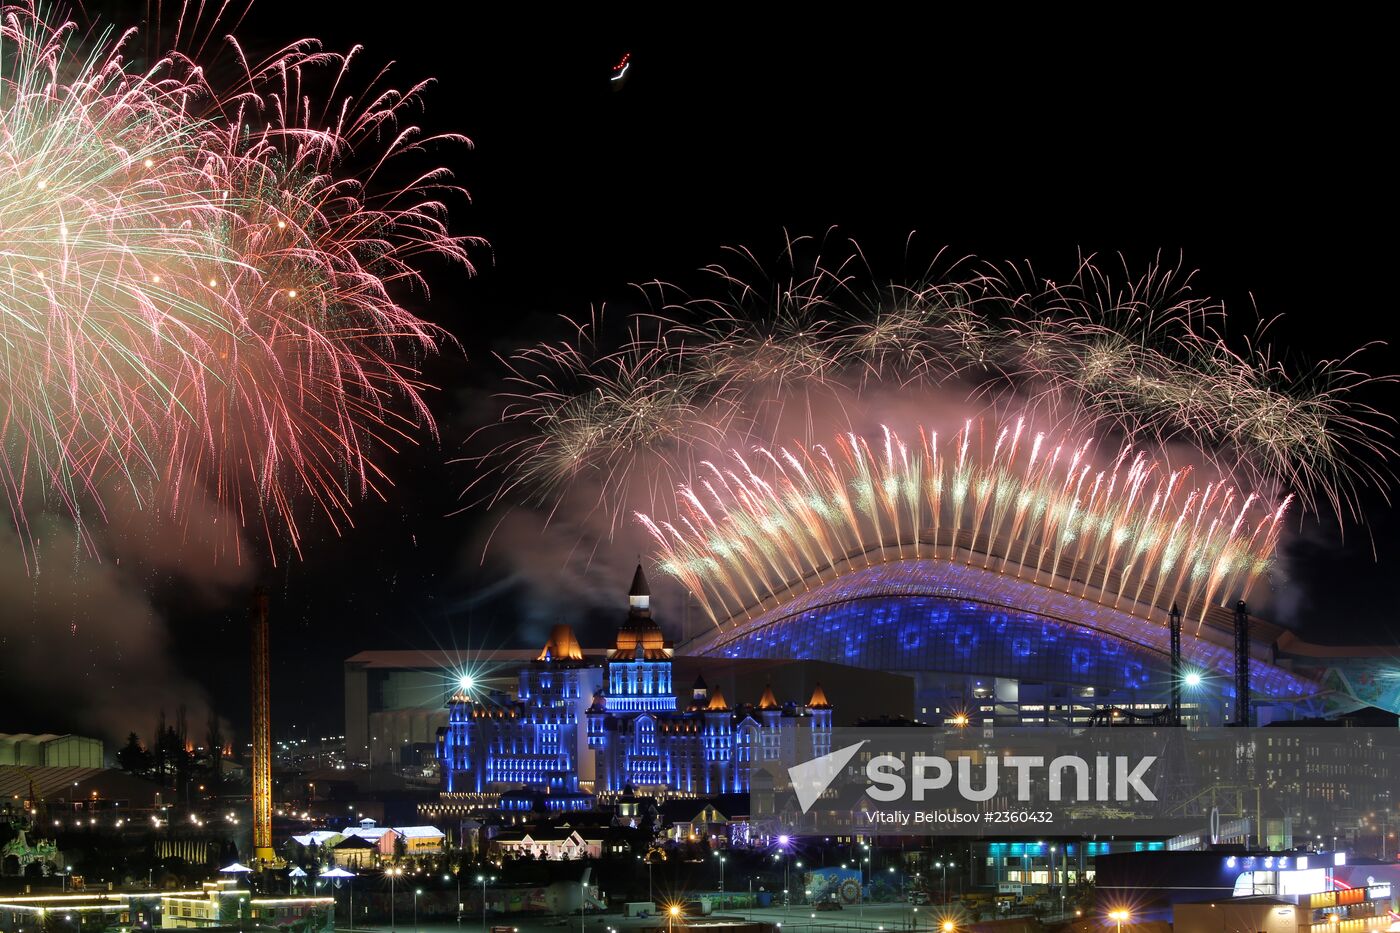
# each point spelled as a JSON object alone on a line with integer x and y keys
{"x": 139, "y": 343}
{"x": 1096, "y": 355}
{"x": 1142, "y": 528}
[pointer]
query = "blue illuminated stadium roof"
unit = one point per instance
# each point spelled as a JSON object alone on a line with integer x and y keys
{"x": 935, "y": 615}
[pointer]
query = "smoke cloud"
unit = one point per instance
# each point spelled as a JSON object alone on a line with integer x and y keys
{"x": 83, "y": 646}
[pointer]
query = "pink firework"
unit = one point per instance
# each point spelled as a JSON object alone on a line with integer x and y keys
{"x": 202, "y": 285}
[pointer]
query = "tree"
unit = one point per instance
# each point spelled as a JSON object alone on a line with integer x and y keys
{"x": 133, "y": 757}
{"x": 215, "y": 739}
{"x": 400, "y": 847}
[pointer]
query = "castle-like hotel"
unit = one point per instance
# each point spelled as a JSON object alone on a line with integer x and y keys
{"x": 616, "y": 724}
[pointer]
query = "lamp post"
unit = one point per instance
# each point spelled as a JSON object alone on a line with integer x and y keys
{"x": 416, "y": 893}
{"x": 460, "y": 905}
{"x": 720, "y": 856}
{"x": 861, "y": 866}
{"x": 675, "y": 912}
{"x": 1119, "y": 916}
{"x": 483, "y": 879}
{"x": 393, "y": 874}
{"x": 799, "y": 868}
{"x": 944, "y": 866}
{"x": 785, "y": 880}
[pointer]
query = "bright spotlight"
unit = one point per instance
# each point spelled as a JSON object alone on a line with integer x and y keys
{"x": 1193, "y": 679}
{"x": 466, "y": 682}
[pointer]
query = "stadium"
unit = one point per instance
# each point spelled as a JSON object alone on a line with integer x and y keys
{"x": 985, "y": 646}
{"x": 1026, "y": 587}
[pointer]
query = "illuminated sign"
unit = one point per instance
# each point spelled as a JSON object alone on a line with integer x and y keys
{"x": 1302, "y": 881}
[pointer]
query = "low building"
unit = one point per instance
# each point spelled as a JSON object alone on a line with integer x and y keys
{"x": 95, "y": 911}
{"x": 1262, "y": 914}
{"x": 367, "y": 841}
{"x": 1318, "y": 905}
{"x": 50, "y": 751}
{"x": 354, "y": 852}
{"x": 710, "y": 820}
{"x": 222, "y": 904}
{"x": 560, "y": 843}
{"x": 213, "y": 904}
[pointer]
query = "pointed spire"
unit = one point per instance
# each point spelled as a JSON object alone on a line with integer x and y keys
{"x": 818, "y": 700}
{"x": 700, "y": 683}
{"x": 717, "y": 704}
{"x": 639, "y": 596}
{"x": 639, "y": 583}
{"x": 768, "y": 701}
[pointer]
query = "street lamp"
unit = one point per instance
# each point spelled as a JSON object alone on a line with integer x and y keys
{"x": 720, "y": 856}
{"x": 948, "y": 926}
{"x": 416, "y": 893}
{"x": 861, "y": 866}
{"x": 393, "y": 874}
{"x": 1120, "y": 916}
{"x": 483, "y": 879}
{"x": 945, "y": 866}
{"x": 672, "y": 914}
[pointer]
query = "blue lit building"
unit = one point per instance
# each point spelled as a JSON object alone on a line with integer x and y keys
{"x": 994, "y": 647}
{"x": 643, "y": 739}
{"x": 576, "y": 725}
{"x": 528, "y": 748}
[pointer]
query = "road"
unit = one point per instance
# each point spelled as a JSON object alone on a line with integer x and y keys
{"x": 872, "y": 918}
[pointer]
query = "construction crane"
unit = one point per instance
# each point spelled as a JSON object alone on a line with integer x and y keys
{"x": 263, "y": 854}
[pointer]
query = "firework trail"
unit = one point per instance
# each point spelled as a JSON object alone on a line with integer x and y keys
{"x": 1134, "y": 533}
{"x": 1099, "y": 355}
{"x": 197, "y": 282}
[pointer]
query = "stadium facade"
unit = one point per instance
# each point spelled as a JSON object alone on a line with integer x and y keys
{"x": 993, "y": 647}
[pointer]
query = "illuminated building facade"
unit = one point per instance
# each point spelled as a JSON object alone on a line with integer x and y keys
{"x": 644, "y": 740}
{"x": 530, "y": 743}
{"x": 616, "y": 724}
{"x": 994, "y": 647}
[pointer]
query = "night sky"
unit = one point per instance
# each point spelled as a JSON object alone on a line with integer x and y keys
{"x": 1256, "y": 151}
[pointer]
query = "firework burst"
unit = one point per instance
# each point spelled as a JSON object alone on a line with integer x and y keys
{"x": 1133, "y": 533}
{"x": 197, "y": 284}
{"x": 1102, "y": 354}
